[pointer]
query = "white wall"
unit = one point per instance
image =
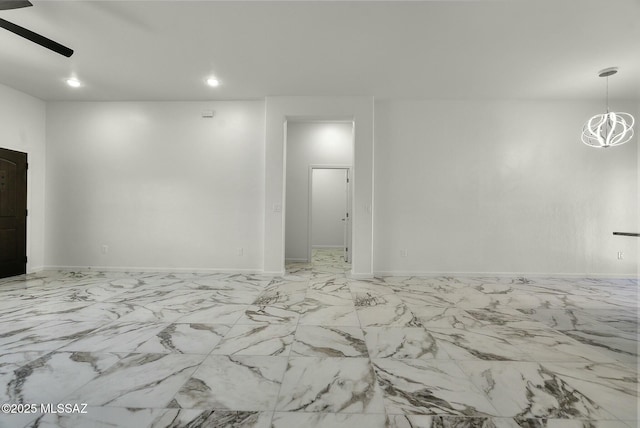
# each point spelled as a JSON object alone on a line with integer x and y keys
{"x": 494, "y": 186}
{"x": 162, "y": 187}
{"x": 328, "y": 207}
{"x": 464, "y": 186}
{"x": 310, "y": 143}
{"x": 22, "y": 128}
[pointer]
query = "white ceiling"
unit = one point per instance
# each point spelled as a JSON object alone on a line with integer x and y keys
{"x": 163, "y": 50}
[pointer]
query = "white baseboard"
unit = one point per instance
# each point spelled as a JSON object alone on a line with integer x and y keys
{"x": 138, "y": 269}
{"x": 354, "y": 275}
{"x": 305, "y": 260}
{"x": 504, "y": 274}
{"x": 273, "y": 273}
{"x": 35, "y": 269}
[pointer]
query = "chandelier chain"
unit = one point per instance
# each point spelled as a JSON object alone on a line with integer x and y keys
{"x": 607, "y": 94}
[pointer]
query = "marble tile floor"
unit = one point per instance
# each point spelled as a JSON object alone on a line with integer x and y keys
{"x": 318, "y": 349}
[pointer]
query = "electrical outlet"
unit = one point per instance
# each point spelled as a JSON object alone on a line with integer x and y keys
{"x": 105, "y": 249}
{"x": 404, "y": 253}
{"x": 620, "y": 255}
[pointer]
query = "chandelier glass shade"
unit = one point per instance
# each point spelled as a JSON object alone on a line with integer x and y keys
{"x": 609, "y": 129}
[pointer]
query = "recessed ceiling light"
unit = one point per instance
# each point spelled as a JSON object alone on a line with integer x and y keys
{"x": 212, "y": 81}
{"x": 73, "y": 82}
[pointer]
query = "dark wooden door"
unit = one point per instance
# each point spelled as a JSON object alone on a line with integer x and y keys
{"x": 13, "y": 213}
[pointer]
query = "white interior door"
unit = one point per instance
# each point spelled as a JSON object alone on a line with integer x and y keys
{"x": 330, "y": 214}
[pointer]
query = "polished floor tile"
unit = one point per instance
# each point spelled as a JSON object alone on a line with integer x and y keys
{"x": 257, "y": 339}
{"x": 316, "y": 348}
{"x": 429, "y": 387}
{"x": 334, "y": 385}
{"x": 328, "y": 341}
{"x": 138, "y": 380}
{"x": 156, "y": 418}
{"x": 54, "y": 375}
{"x": 238, "y": 383}
{"x": 531, "y": 390}
{"x": 318, "y": 314}
{"x": 402, "y": 343}
{"x": 327, "y": 420}
{"x": 192, "y": 338}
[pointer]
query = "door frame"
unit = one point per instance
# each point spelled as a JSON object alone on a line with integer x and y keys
{"x": 279, "y": 110}
{"x": 24, "y": 191}
{"x": 310, "y": 209}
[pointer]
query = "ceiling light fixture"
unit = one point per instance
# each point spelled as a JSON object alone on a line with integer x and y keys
{"x": 608, "y": 129}
{"x": 213, "y": 82}
{"x": 73, "y": 82}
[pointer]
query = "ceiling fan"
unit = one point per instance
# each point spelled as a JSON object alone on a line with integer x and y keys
{"x": 28, "y": 34}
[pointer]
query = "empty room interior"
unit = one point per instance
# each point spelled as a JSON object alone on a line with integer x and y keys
{"x": 331, "y": 214}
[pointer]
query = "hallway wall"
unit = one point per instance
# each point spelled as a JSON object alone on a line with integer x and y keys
{"x": 309, "y": 143}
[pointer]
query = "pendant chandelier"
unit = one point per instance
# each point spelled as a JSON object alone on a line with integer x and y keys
{"x": 609, "y": 129}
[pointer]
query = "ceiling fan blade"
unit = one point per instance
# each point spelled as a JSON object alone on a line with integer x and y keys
{"x": 14, "y": 4}
{"x": 36, "y": 38}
